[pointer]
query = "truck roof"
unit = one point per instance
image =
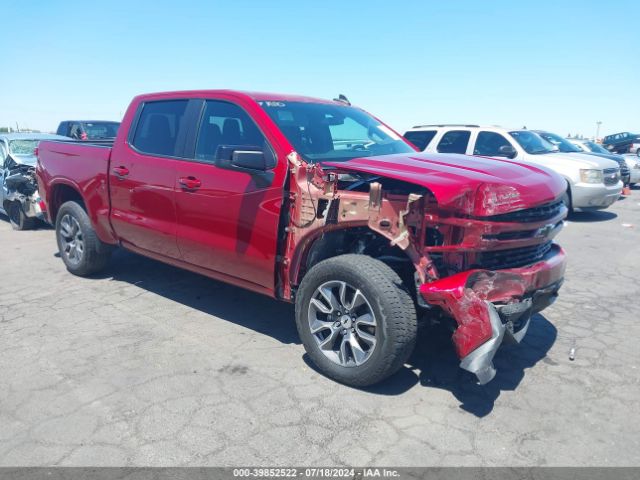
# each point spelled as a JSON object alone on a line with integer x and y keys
{"x": 255, "y": 96}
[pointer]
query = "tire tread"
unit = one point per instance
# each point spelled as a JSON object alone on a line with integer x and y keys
{"x": 96, "y": 252}
{"x": 395, "y": 304}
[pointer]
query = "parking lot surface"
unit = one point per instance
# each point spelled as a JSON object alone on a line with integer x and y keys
{"x": 150, "y": 365}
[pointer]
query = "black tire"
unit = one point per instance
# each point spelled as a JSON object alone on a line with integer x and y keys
{"x": 18, "y": 219}
{"x": 94, "y": 254}
{"x": 566, "y": 199}
{"x": 638, "y": 152}
{"x": 390, "y": 302}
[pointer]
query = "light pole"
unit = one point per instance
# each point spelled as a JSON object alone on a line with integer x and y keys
{"x": 598, "y": 123}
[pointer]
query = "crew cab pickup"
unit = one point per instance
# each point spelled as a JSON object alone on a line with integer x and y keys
{"x": 319, "y": 203}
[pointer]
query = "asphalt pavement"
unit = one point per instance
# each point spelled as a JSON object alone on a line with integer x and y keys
{"x": 147, "y": 364}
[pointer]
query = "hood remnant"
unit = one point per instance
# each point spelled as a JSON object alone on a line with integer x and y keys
{"x": 464, "y": 183}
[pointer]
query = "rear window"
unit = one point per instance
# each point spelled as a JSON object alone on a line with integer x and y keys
{"x": 420, "y": 139}
{"x": 100, "y": 130}
{"x": 454, "y": 141}
{"x": 158, "y": 127}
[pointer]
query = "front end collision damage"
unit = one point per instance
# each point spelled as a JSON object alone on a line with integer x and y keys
{"x": 20, "y": 186}
{"x": 489, "y": 307}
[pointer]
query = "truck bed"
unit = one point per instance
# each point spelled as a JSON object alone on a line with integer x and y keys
{"x": 82, "y": 166}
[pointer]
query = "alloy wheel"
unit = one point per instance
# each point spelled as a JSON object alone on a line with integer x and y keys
{"x": 71, "y": 240}
{"x": 342, "y": 323}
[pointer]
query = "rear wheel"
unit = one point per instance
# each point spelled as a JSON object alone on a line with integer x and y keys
{"x": 18, "y": 219}
{"x": 80, "y": 249}
{"x": 356, "y": 319}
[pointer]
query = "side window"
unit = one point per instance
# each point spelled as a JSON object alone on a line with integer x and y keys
{"x": 454, "y": 141}
{"x": 226, "y": 124}
{"x": 75, "y": 131}
{"x": 420, "y": 139}
{"x": 488, "y": 144}
{"x": 158, "y": 127}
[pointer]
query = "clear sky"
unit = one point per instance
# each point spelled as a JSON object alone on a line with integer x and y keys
{"x": 557, "y": 65}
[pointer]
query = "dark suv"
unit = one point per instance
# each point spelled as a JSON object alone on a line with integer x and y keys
{"x": 88, "y": 129}
{"x": 623, "y": 142}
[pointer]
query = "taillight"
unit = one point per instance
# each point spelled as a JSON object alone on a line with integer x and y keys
{"x": 42, "y": 205}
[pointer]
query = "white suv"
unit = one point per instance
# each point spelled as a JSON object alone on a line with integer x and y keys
{"x": 593, "y": 183}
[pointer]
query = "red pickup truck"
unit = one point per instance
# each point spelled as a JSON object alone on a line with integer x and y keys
{"x": 319, "y": 203}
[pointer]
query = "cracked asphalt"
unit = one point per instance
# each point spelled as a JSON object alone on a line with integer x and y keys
{"x": 151, "y": 365}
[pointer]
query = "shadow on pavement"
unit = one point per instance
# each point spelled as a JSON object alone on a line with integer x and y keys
{"x": 595, "y": 216}
{"x": 40, "y": 225}
{"x": 233, "y": 304}
{"x": 434, "y": 363}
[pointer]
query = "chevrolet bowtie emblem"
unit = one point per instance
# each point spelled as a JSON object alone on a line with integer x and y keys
{"x": 544, "y": 231}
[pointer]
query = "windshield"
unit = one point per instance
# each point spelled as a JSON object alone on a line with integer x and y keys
{"x": 322, "y": 131}
{"x": 95, "y": 130}
{"x": 532, "y": 142}
{"x": 563, "y": 145}
{"x": 595, "y": 148}
{"x": 23, "y": 147}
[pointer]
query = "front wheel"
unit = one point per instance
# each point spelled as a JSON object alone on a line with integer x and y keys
{"x": 80, "y": 248}
{"x": 566, "y": 199}
{"x": 356, "y": 319}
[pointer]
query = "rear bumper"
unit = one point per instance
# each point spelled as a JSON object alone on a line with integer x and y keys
{"x": 491, "y": 307}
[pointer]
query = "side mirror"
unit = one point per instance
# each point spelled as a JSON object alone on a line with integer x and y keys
{"x": 249, "y": 159}
{"x": 507, "y": 151}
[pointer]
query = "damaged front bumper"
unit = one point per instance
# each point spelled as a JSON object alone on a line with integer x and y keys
{"x": 492, "y": 307}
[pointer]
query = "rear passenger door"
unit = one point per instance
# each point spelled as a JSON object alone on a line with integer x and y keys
{"x": 142, "y": 178}
{"x": 454, "y": 141}
{"x": 228, "y": 218}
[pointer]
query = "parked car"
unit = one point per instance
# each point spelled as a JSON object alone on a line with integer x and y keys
{"x": 632, "y": 161}
{"x": 318, "y": 203}
{"x": 623, "y": 142}
{"x": 592, "y": 183}
{"x": 88, "y": 129}
{"x": 565, "y": 146}
{"x": 19, "y": 198}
